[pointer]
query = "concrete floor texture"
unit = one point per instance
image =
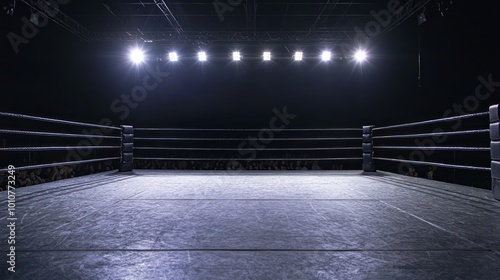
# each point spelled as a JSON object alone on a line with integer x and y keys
{"x": 252, "y": 225}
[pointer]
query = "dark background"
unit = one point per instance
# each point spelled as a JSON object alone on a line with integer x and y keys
{"x": 56, "y": 74}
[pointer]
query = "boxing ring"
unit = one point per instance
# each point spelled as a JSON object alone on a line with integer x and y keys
{"x": 266, "y": 223}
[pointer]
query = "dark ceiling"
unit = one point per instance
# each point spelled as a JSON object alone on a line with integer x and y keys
{"x": 214, "y": 21}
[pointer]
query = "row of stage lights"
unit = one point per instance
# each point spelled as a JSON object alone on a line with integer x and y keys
{"x": 137, "y": 56}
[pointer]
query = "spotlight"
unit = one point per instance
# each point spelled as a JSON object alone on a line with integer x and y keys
{"x": 202, "y": 56}
{"x": 236, "y": 56}
{"x": 173, "y": 56}
{"x": 267, "y": 56}
{"x": 136, "y": 56}
{"x": 326, "y": 56}
{"x": 298, "y": 56}
{"x": 360, "y": 56}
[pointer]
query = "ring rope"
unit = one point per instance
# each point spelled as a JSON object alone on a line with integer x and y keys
{"x": 246, "y": 159}
{"x": 433, "y": 121}
{"x": 20, "y": 116}
{"x": 67, "y": 148}
{"x": 55, "y": 134}
{"x": 59, "y": 164}
{"x": 467, "y": 149}
{"x": 244, "y": 129}
{"x": 241, "y": 139}
{"x": 448, "y": 133}
{"x": 234, "y": 149}
{"x": 445, "y": 165}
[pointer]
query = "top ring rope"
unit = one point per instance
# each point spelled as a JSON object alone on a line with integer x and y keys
{"x": 244, "y": 129}
{"x": 433, "y": 121}
{"x": 243, "y": 139}
{"x": 20, "y": 116}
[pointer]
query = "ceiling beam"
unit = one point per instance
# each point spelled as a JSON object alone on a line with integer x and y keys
{"x": 209, "y": 37}
{"x": 53, "y": 13}
{"x": 168, "y": 14}
{"x": 409, "y": 8}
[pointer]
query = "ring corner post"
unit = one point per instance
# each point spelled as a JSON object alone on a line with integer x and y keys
{"x": 368, "y": 164}
{"x": 494, "y": 113}
{"x": 127, "y": 148}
